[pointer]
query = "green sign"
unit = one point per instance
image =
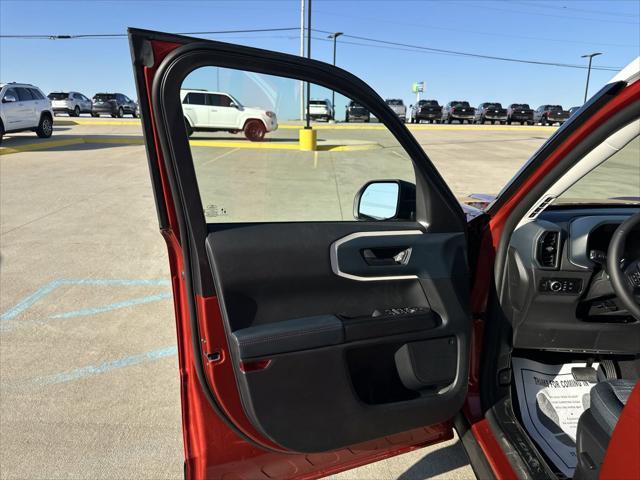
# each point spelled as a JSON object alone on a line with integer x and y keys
{"x": 417, "y": 87}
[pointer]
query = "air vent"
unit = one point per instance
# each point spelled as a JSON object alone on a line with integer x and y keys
{"x": 541, "y": 206}
{"x": 547, "y": 252}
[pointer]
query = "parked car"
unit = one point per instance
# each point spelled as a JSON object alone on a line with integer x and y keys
{"x": 490, "y": 112}
{"x": 428, "y": 110}
{"x": 550, "y": 114}
{"x": 573, "y": 110}
{"x": 114, "y": 104}
{"x": 316, "y": 346}
{"x": 24, "y": 107}
{"x": 218, "y": 111}
{"x": 355, "y": 111}
{"x": 71, "y": 103}
{"x": 321, "y": 110}
{"x": 520, "y": 112}
{"x": 398, "y": 106}
{"x": 459, "y": 110}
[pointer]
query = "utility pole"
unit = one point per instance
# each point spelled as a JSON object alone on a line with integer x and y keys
{"x": 302, "y": 55}
{"x": 308, "y": 56}
{"x": 333, "y": 92}
{"x": 590, "y": 57}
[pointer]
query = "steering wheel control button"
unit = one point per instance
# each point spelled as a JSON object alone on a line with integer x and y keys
{"x": 570, "y": 286}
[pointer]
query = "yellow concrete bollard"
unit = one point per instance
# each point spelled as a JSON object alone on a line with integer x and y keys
{"x": 308, "y": 139}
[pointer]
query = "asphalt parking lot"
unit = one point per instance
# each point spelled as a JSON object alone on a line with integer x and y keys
{"x": 88, "y": 363}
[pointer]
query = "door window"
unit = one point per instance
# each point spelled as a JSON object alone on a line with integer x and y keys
{"x": 24, "y": 94}
{"x": 195, "y": 98}
{"x": 36, "y": 94}
{"x": 11, "y": 92}
{"x": 273, "y": 180}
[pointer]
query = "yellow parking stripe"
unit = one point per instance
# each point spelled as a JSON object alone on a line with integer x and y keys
{"x": 45, "y": 144}
{"x": 40, "y": 145}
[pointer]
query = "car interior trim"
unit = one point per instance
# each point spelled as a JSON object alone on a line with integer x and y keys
{"x": 335, "y": 264}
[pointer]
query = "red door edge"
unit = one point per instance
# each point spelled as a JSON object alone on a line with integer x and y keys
{"x": 622, "y": 460}
{"x": 496, "y": 457}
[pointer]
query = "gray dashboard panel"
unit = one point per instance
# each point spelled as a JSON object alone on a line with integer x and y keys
{"x": 579, "y": 230}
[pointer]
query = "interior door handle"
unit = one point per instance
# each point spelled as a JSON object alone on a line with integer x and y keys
{"x": 386, "y": 256}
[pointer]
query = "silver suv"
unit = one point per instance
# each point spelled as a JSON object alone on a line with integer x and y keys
{"x": 72, "y": 103}
{"x": 24, "y": 107}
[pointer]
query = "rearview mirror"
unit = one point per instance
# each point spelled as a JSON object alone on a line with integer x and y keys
{"x": 9, "y": 99}
{"x": 385, "y": 200}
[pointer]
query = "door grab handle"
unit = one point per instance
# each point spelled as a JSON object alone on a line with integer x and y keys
{"x": 386, "y": 256}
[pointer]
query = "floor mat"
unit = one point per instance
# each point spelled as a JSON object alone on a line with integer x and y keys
{"x": 551, "y": 401}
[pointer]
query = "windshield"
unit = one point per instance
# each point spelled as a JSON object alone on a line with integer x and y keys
{"x": 103, "y": 97}
{"x": 430, "y": 103}
{"x": 554, "y": 107}
{"x": 523, "y": 106}
{"x": 58, "y": 96}
{"x": 394, "y": 102}
{"x": 493, "y": 105}
{"x": 616, "y": 180}
{"x": 457, "y": 103}
{"x": 318, "y": 102}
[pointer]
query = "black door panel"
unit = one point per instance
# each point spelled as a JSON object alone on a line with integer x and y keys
{"x": 349, "y": 359}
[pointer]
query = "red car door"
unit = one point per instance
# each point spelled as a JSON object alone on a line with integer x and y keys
{"x": 305, "y": 347}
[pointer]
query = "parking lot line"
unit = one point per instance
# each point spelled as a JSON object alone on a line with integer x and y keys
{"x": 113, "y": 306}
{"x": 194, "y": 143}
{"x": 106, "y": 367}
{"x": 31, "y": 299}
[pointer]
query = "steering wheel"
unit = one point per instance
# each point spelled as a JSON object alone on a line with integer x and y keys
{"x": 624, "y": 279}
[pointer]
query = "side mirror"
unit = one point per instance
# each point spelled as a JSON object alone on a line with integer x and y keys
{"x": 9, "y": 99}
{"x": 233, "y": 105}
{"x": 385, "y": 200}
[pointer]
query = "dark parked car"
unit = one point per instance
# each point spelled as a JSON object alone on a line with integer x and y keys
{"x": 491, "y": 112}
{"x": 520, "y": 112}
{"x": 114, "y": 104}
{"x": 573, "y": 110}
{"x": 429, "y": 110}
{"x": 355, "y": 111}
{"x": 458, "y": 110}
{"x": 550, "y": 114}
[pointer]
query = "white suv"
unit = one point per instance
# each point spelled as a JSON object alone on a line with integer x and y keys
{"x": 72, "y": 103}
{"x": 24, "y": 107}
{"x": 217, "y": 111}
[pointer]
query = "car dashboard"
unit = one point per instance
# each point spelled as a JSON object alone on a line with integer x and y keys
{"x": 557, "y": 294}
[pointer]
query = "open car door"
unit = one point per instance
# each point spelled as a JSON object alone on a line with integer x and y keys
{"x": 311, "y": 338}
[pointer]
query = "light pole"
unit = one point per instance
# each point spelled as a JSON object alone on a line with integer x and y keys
{"x": 590, "y": 57}
{"x": 333, "y": 92}
{"x": 308, "y": 56}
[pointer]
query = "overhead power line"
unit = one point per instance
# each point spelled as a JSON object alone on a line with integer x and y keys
{"x": 123, "y": 35}
{"x": 476, "y": 55}
{"x": 399, "y": 45}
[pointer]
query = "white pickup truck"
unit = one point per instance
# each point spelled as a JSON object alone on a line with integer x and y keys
{"x": 218, "y": 111}
{"x": 321, "y": 110}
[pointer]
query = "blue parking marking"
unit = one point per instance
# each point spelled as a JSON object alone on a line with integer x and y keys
{"x": 106, "y": 367}
{"x": 28, "y": 301}
{"x": 113, "y": 306}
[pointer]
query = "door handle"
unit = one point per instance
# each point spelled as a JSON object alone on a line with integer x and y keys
{"x": 386, "y": 256}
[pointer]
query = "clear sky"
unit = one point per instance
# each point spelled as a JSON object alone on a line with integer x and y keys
{"x": 555, "y": 31}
